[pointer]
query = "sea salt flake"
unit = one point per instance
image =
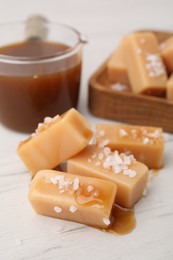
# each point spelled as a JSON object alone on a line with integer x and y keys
{"x": 106, "y": 221}
{"x": 123, "y": 132}
{"x": 57, "y": 209}
{"x": 117, "y": 169}
{"x": 155, "y": 134}
{"x": 54, "y": 180}
{"x": 146, "y": 140}
{"x": 19, "y": 242}
{"x": 127, "y": 160}
{"x": 154, "y": 65}
{"x": 101, "y": 133}
{"x": 89, "y": 160}
{"x": 132, "y": 173}
{"x": 106, "y": 151}
{"x": 90, "y": 188}
{"x": 47, "y": 119}
{"x": 73, "y": 208}
{"x": 119, "y": 86}
{"x": 76, "y": 184}
{"x": 124, "y": 167}
{"x": 104, "y": 143}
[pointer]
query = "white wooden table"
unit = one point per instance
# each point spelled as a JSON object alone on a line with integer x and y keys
{"x": 26, "y": 235}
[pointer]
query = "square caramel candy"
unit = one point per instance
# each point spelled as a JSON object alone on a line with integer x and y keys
{"x": 129, "y": 175}
{"x": 55, "y": 141}
{"x": 116, "y": 69}
{"x": 170, "y": 88}
{"x": 72, "y": 197}
{"x": 146, "y": 71}
{"x": 166, "y": 49}
{"x": 145, "y": 143}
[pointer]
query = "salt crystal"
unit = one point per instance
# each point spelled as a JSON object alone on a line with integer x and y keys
{"x": 117, "y": 169}
{"x": 19, "y": 242}
{"x": 101, "y": 133}
{"x": 47, "y": 119}
{"x": 132, "y": 173}
{"x": 76, "y": 184}
{"x": 127, "y": 160}
{"x": 104, "y": 143}
{"x": 106, "y": 221}
{"x": 155, "y": 134}
{"x": 57, "y": 209}
{"x": 146, "y": 140}
{"x": 90, "y": 188}
{"x": 73, "y": 209}
{"x": 119, "y": 86}
{"x": 54, "y": 180}
{"x": 123, "y": 132}
{"x": 154, "y": 65}
{"x": 106, "y": 151}
{"x": 89, "y": 160}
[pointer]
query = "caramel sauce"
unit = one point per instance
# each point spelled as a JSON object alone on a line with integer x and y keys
{"x": 123, "y": 220}
{"x": 28, "y": 93}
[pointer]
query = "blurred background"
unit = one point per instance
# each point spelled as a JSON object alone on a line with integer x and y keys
{"x": 103, "y": 22}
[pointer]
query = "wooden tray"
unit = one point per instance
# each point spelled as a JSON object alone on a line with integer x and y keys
{"x": 126, "y": 106}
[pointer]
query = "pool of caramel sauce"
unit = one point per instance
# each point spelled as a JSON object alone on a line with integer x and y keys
{"x": 123, "y": 221}
{"x": 26, "y": 99}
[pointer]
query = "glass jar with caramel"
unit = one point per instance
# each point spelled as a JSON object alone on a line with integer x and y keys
{"x": 40, "y": 71}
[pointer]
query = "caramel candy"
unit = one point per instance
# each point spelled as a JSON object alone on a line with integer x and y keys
{"x": 129, "y": 175}
{"x": 55, "y": 141}
{"x": 145, "y": 143}
{"x": 166, "y": 48}
{"x": 170, "y": 88}
{"x": 72, "y": 197}
{"x": 116, "y": 68}
{"x": 144, "y": 65}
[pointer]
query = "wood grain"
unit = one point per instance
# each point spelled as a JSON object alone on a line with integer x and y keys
{"x": 126, "y": 106}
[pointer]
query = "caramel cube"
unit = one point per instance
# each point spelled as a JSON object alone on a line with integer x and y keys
{"x": 166, "y": 48}
{"x": 55, "y": 141}
{"x": 145, "y": 143}
{"x": 116, "y": 68}
{"x": 170, "y": 88}
{"x": 146, "y": 71}
{"x": 129, "y": 175}
{"x": 72, "y": 197}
